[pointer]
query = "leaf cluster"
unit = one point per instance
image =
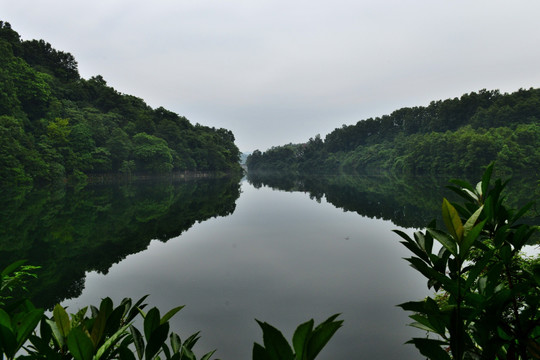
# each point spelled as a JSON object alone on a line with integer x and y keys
{"x": 490, "y": 308}
{"x": 307, "y": 342}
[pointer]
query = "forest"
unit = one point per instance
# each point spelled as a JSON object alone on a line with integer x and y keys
{"x": 55, "y": 125}
{"x": 454, "y": 136}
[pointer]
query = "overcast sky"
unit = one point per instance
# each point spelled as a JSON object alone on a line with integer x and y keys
{"x": 276, "y": 72}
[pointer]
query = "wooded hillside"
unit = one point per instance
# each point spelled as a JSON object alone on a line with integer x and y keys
{"x": 455, "y": 136}
{"x": 56, "y": 125}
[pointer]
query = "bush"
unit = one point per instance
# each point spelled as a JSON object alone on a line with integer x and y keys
{"x": 488, "y": 305}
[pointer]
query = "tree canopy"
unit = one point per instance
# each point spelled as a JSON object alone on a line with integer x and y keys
{"x": 55, "y": 124}
{"x": 456, "y": 136}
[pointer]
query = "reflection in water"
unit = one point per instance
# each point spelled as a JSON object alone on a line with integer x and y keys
{"x": 69, "y": 232}
{"x": 280, "y": 257}
{"x": 410, "y": 202}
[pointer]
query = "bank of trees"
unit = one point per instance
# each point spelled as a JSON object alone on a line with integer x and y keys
{"x": 452, "y": 136}
{"x": 55, "y": 124}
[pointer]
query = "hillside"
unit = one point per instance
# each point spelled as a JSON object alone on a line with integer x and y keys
{"x": 56, "y": 125}
{"x": 454, "y": 136}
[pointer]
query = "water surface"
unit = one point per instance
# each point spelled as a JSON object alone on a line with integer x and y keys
{"x": 282, "y": 258}
{"x": 278, "y": 249}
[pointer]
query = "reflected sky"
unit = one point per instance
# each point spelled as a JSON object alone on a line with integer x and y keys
{"x": 281, "y": 258}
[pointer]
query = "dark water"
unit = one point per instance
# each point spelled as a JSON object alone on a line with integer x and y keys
{"x": 278, "y": 250}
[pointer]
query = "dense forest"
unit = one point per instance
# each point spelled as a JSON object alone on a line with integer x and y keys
{"x": 56, "y": 125}
{"x": 454, "y": 136}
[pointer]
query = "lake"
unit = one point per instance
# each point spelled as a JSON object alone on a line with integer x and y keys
{"x": 281, "y": 251}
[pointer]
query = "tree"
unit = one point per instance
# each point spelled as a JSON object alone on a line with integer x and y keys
{"x": 119, "y": 145}
{"x": 151, "y": 153}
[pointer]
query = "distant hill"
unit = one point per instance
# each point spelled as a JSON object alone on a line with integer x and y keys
{"x": 56, "y": 125}
{"x": 455, "y": 136}
{"x": 243, "y": 158}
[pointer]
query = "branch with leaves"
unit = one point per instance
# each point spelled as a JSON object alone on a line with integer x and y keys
{"x": 491, "y": 306}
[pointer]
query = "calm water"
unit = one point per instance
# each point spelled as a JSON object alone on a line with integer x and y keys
{"x": 282, "y": 258}
{"x": 232, "y": 253}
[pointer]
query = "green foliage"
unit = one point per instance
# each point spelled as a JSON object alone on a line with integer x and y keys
{"x": 106, "y": 332}
{"x": 151, "y": 153}
{"x": 66, "y": 125}
{"x": 15, "y": 277}
{"x": 490, "y": 308}
{"x": 109, "y": 332}
{"x": 307, "y": 342}
{"x": 454, "y": 136}
{"x": 18, "y": 318}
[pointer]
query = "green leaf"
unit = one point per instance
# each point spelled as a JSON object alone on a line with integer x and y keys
{"x": 321, "y": 335}
{"x": 136, "y": 308}
{"x": 259, "y": 352}
{"x": 425, "y": 242}
{"x": 8, "y": 341}
{"x": 56, "y": 334}
{"x": 125, "y": 353}
{"x": 452, "y": 220}
{"x": 277, "y": 348}
{"x": 417, "y": 247}
{"x": 61, "y": 318}
{"x": 170, "y": 314}
{"x": 208, "y": 355}
{"x": 469, "y": 240}
{"x": 468, "y": 193}
{"x": 106, "y": 306}
{"x": 138, "y": 341}
{"x": 176, "y": 343}
{"x": 78, "y": 317}
{"x": 471, "y": 221}
{"x": 462, "y": 184}
{"x": 422, "y": 322}
{"x": 431, "y": 348}
{"x": 98, "y": 328}
{"x": 111, "y": 342}
{"x": 151, "y": 322}
{"x": 187, "y": 354}
{"x": 157, "y": 339}
{"x": 301, "y": 337}
{"x": 486, "y": 178}
{"x": 427, "y": 271}
{"x": 115, "y": 320}
{"x": 27, "y": 324}
{"x": 191, "y": 340}
{"x": 421, "y": 326}
{"x": 80, "y": 345}
{"x": 5, "y": 319}
{"x": 10, "y": 268}
{"x": 445, "y": 240}
{"x": 166, "y": 351}
{"x": 415, "y": 306}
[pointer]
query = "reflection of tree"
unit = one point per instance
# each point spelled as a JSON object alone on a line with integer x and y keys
{"x": 406, "y": 201}
{"x": 70, "y": 232}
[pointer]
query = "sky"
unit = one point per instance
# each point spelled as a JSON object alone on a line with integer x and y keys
{"x": 278, "y": 72}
